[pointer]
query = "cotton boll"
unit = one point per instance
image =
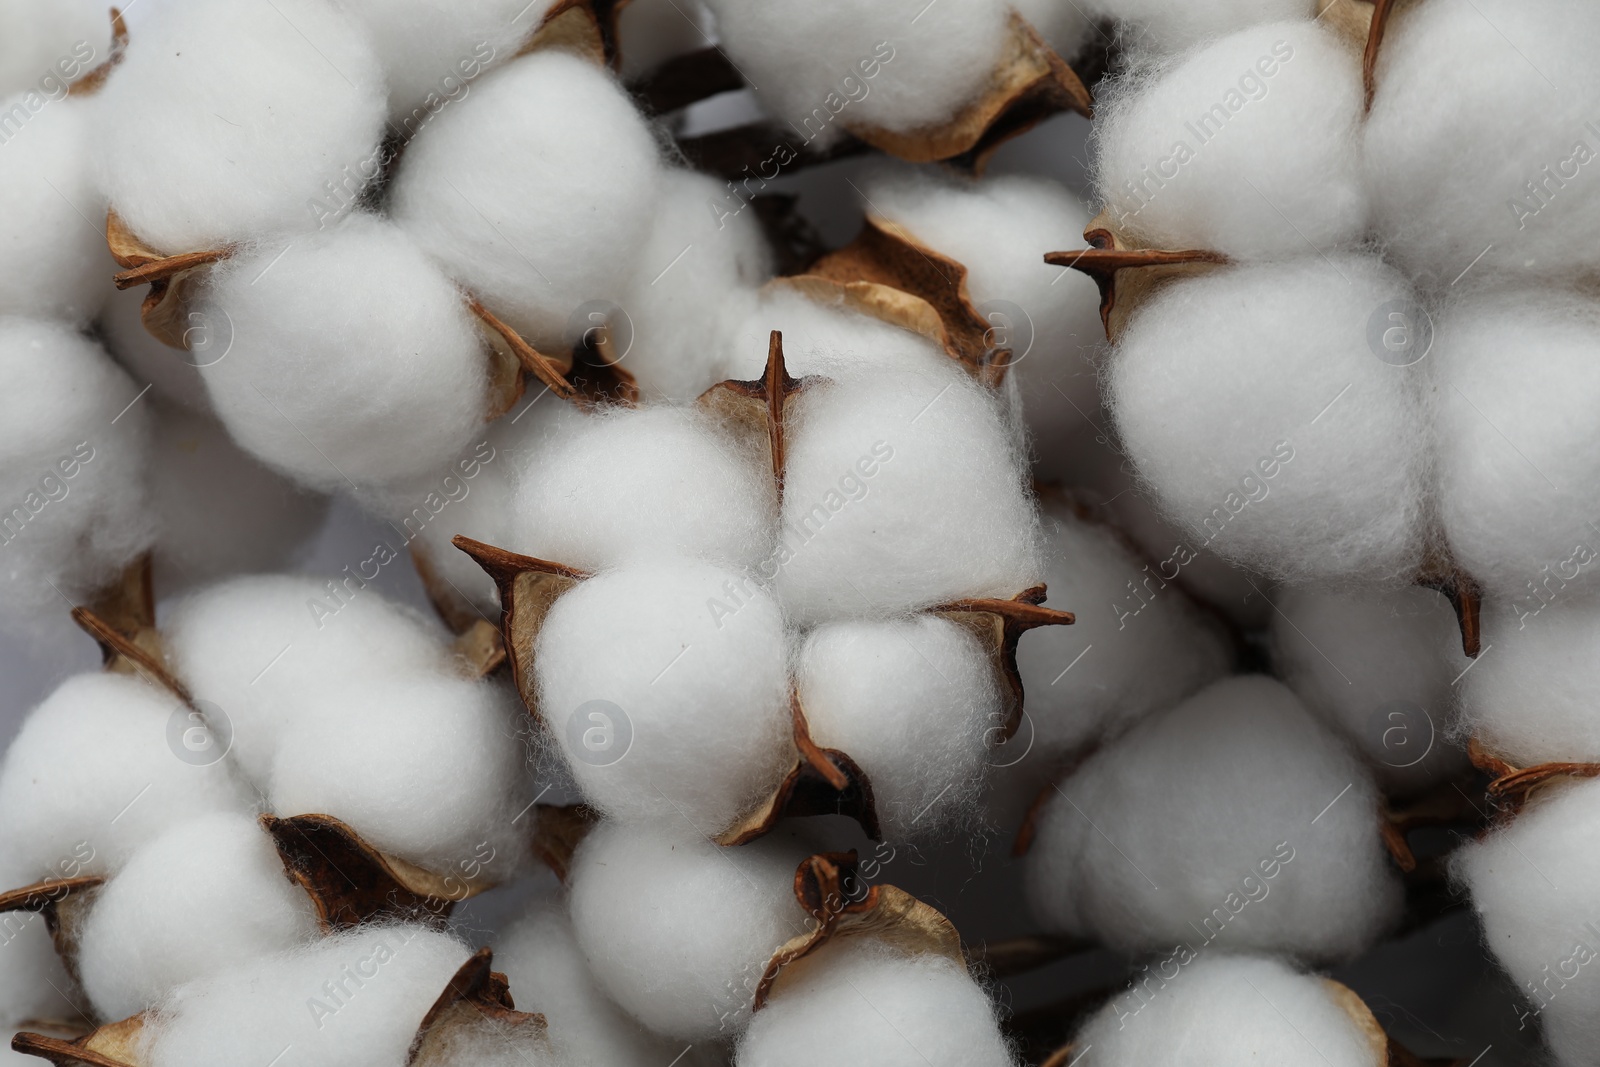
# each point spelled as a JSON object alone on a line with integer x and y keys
{"x": 895, "y": 65}
{"x": 195, "y": 465}
{"x": 34, "y": 984}
{"x": 52, "y": 256}
{"x": 353, "y": 999}
{"x": 548, "y": 974}
{"x": 876, "y": 1005}
{"x": 92, "y": 777}
{"x": 533, "y": 191}
{"x": 1173, "y": 25}
{"x": 1247, "y": 146}
{"x": 1252, "y": 403}
{"x": 633, "y": 484}
{"x": 1138, "y": 646}
{"x": 256, "y": 647}
{"x": 208, "y": 895}
{"x": 172, "y": 373}
{"x": 1236, "y": 818}
{"x": 73, "y": 442}
{"x": 226, "y": 120}
{"x": 1227, "y": 1009}
{"x": 696, "y": 275}
{"x": 49, "y": 43}
{"x": 1521, "y": 77}
{"x": 875, "y": 466}
{"x": 352, "y": 358}
{"x": 678, "y": 930}
{"x": 685, "y": 664}
{"x": 1378, "y": 665}
{"x": 1518, "y": 463}
{"x": 1529, "y": 698}
{"x": 821, "y": 338}
{"x": 427, "y": 768}
{"x": 1532, "y": 883}
{"x": 431, "y": 50}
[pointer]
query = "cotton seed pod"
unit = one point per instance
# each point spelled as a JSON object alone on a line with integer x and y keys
{"x": 1321, "y": 474}
{"x": 1285, "y": 856}
{"x": 183, "y": 178}
{"x": 945, "y": 83}
{"x": 1279, "y": 103}
{"x": 1217, "y": 1008}
{"x": 1379, "y": 666}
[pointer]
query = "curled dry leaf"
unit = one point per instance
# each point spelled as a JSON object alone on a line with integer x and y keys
{"x": 558, "y": 830}
{"x": 888, "y": 274}
{"x": 1030, "y": 83}
{"x": 475, "y": 998}
{"x": 831, "y": 890}
{"x": 91, "y": 82}
{"x": 350, "y": 882}
{"x": 1126, "y": 272}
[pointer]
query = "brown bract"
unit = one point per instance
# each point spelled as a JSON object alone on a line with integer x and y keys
{"x": 475, "y": 998}
{"x": 64, "y": 903}
{"x": 1447, "y": 804}
{"x": 1445, "y": 576}
{"x": 1030, "y": 83}
{"x": 1126, "y": 272}
{"x": 1364, "y": 22}
{"x": 113, "y": 1045}
{"x": 832, "y": 892}
{"x": 999, "y": 625}
{"x": 1517, "y": 784}
{"x": 558, "y": 830}
{"x": 757, "y": 412}
{"x": 122, "y": 620}
{"x": 889, "y": 274}
{"x": 166, "y": 307}
{"x": 588, "y": 376}
{"x": 584, "y": 27}
{"x": 92, "y": 82}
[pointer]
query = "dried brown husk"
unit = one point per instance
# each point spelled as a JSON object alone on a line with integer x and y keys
{"x": 999, "y": 625}
{"x": 1446, "y": 804}
{"x": 1516, "y": 785}
{"x": 95, "y": 80}
{"x": 756, "y": 413}
{"x": 578, "y": 26}
{"x": 64, "y": 904}
{"x": 476, "y": 996}
{"x": 1365, "y": 23}
{"x": 558, "y": 830}
{"x": 1126, "y": 271}
{"x": 1030, "y": 83}
{"x": 831, "y": 890}
{"x": 886, "y": 272}
{"x": 1441, "y": 573}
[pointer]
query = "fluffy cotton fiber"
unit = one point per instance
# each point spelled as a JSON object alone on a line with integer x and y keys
{"x": 875, "y": 466}
{"x": 1247, "y": 146}
{"x": 1379, "y": 665}
{"x": 539, "y": 954}
{"x": 73, "y": 445}
{"x": 229, "y": 119}
{"x": 696, "y": 277}
{"x": 431, "y": 52}
{"x": 1196, "y": 1012}
{"x": 1518, "y": 450}
{"x": 1533, "y": 884}
{"x": 52, "y": 256}
{"x": 208, "y": 895}
{"x": 1235, "y": 818}
{"x": 173, "y": 373}
{"x": 1139, "y": 644}
{"x": 48, "y": 43}
{"x": 1253, "y": 403}
{"x": 351, "y": 1000}
{"x": 534, "y": 191}
{"x": 1530, "y": 698}
{"x": 352, "y": 359}
{"x": 91, "y": 778}
{"x": 897, "y": 65}
{"x": 685, "y": 664}
{"x": 639, "y": 483}
{"x": 1049, "y": 317}
{"x": 875, "y": 1005}
{"x": 915, "y": 702}
{"x": 678, "y": 930}
{"x": 821, "y": 338}
{"x": 1519, "y": 75}
{"x": 195, "y": 466}
{"x": 1173, "y": 25}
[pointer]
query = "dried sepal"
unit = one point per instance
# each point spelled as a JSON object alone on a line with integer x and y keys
{"x": 1365, "y": 23}
{"x": 476, "y": 996}
{"x": 888, "y": 273}
{"x": 166, "y": 308}
{"x": 999, "y": 625}
{"x": 1516, "y": 783}
{"x": 587, "y": 28}
{"x": 1030, "y": 83}
{"x": 756, "y": 412}
{"x": 449, "y": 603}
{"x": 113, "y": 1045}
{"x": 823, "y": 781}
{"x": 122, "y": 621}
{"x": 528, "y": 589}
{"x": 509, "y": 345}
{"x": 831, "y": 891}
{"x": 479, "y": 649}
{"x": 92, "y": 82}
{"x": 64, "y": 905}
{"x": 350, "y": 882}
{"x": 588, "y": 376}
{"x": 558, "y": 830}
{"x": 1126, "y": 272}
{"x": 1447, "y": 804}
{"x": 1446, "y": 577}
